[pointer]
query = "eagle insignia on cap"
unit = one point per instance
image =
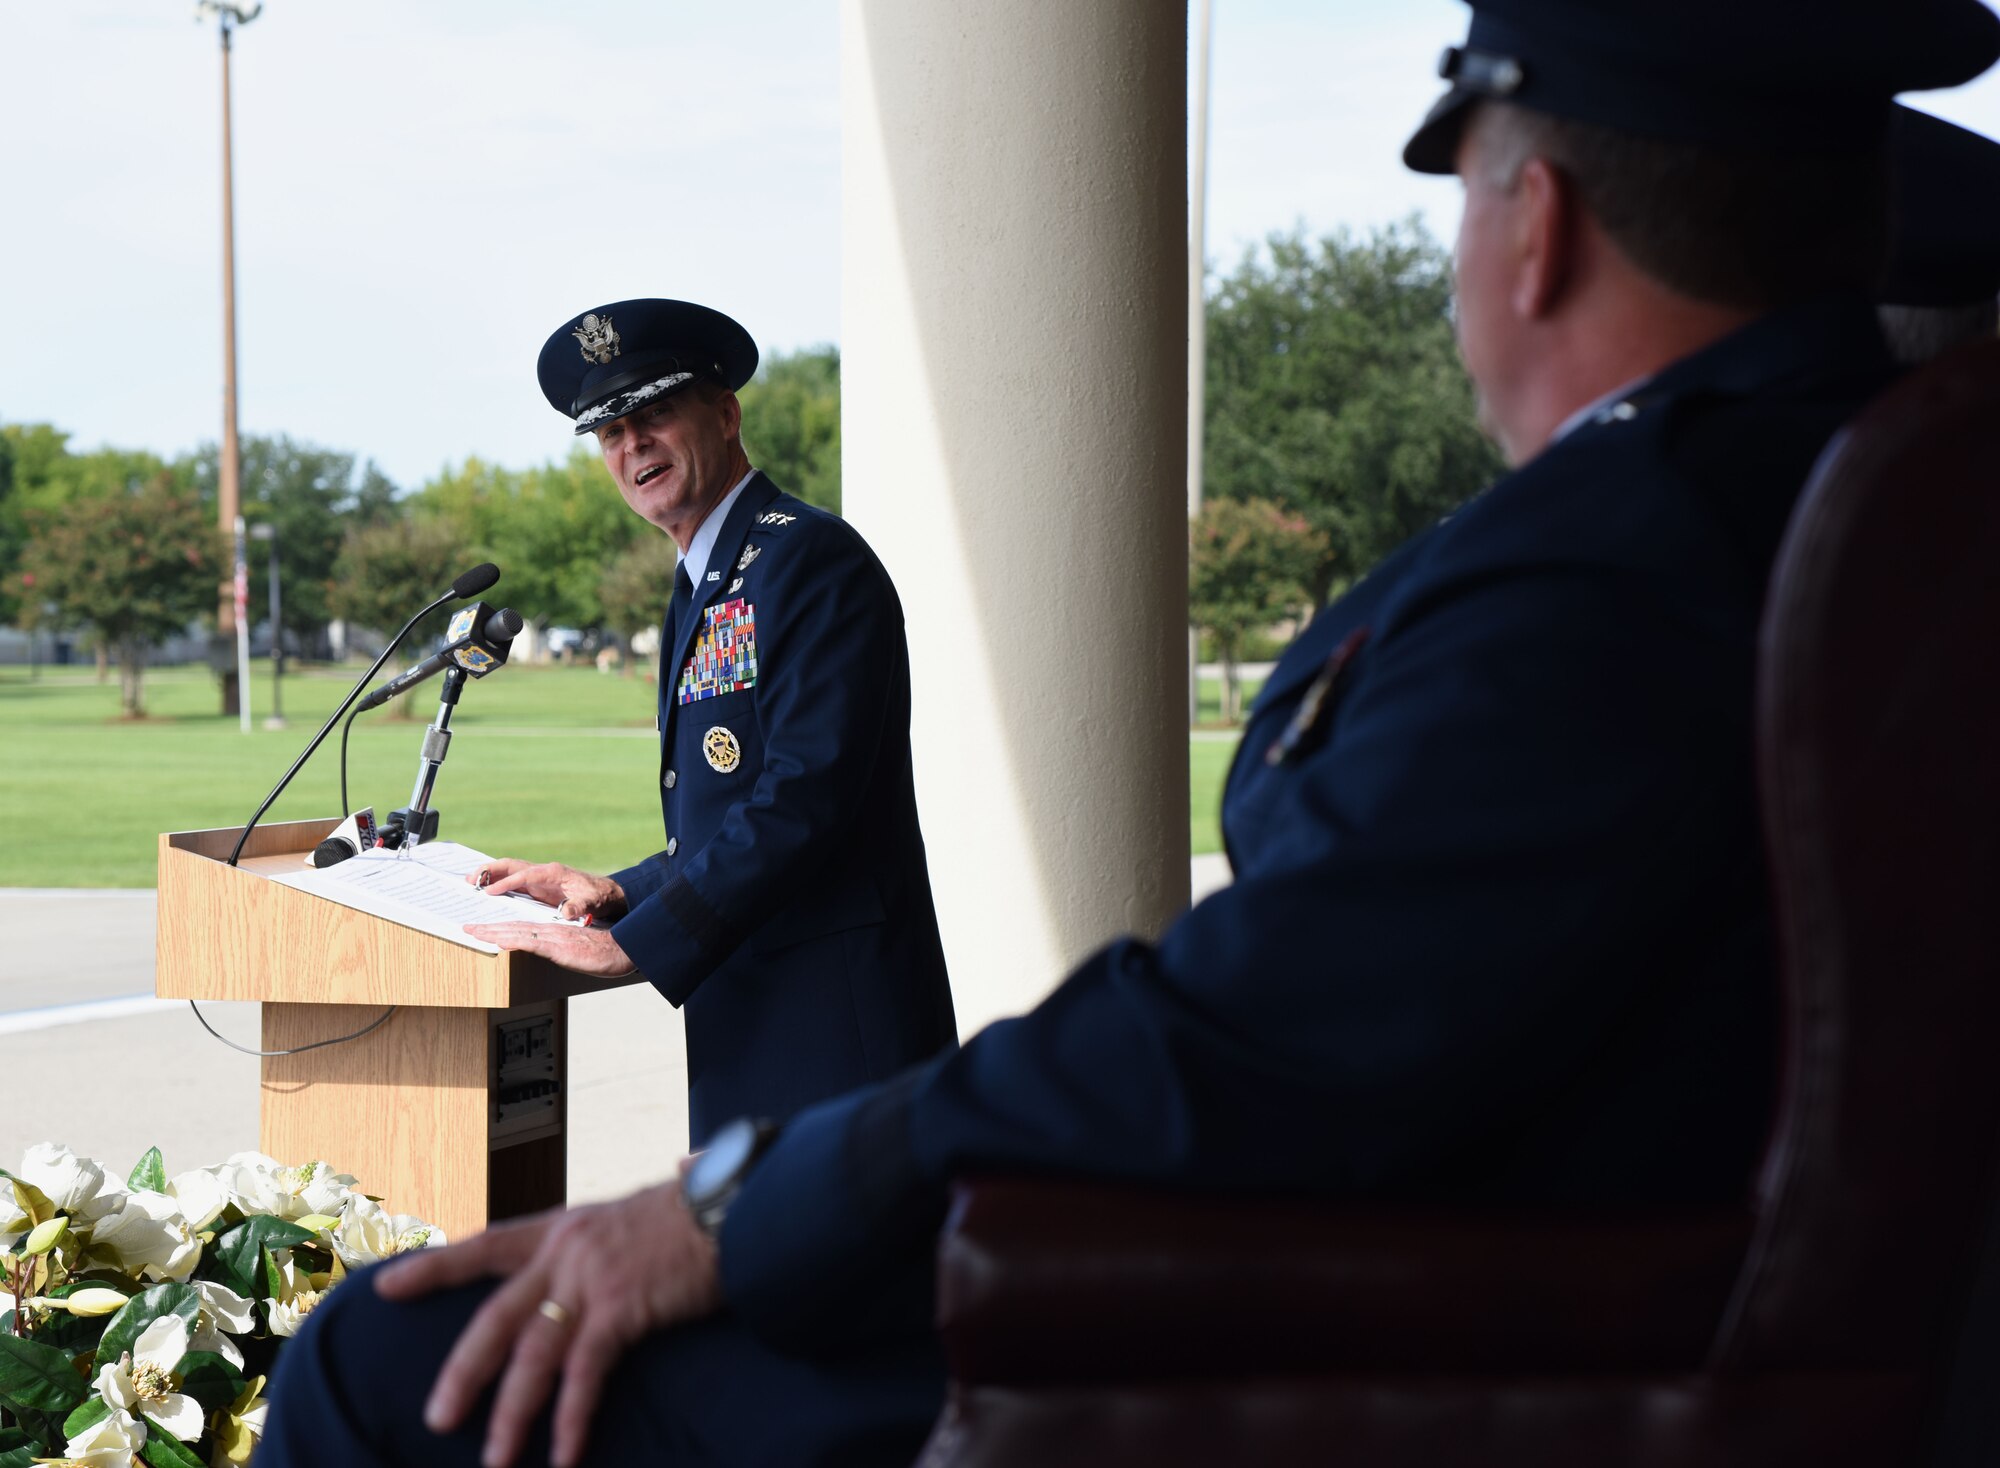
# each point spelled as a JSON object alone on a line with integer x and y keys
{"x": 597, "y": 338}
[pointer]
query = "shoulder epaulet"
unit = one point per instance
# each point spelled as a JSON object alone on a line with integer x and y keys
{"x": 776, "y": 519}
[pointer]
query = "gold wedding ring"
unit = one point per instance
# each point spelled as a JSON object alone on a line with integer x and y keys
{"x": 553, "y": 1310}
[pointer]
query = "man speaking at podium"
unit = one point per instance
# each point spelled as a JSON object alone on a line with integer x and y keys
{"x": 789, "y": 912}
{"x": 1499, "y": 935}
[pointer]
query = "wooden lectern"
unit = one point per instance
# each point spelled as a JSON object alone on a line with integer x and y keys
{"x": 455, "y": 1109}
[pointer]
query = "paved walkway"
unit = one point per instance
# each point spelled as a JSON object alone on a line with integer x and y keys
{"x": 91, "y": 1059}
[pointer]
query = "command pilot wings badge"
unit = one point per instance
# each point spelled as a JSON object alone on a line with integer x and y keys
{"x": 597, "y": 338}
{"x": 750, "y": 553}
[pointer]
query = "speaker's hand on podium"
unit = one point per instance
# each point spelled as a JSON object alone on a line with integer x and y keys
{"x": 580, "y": 1286}
{"x": 587, "y": 950}
{"x": 572, "y": 893}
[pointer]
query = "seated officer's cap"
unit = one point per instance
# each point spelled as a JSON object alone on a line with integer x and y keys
{"x": 1775, "y": 75}
{"x": 608, "y": 361}
{"x": 1945, "y": 243}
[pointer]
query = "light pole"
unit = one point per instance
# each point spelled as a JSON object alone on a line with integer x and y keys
{"x": 265, "y": 530}
{"x": 228, "y": 493}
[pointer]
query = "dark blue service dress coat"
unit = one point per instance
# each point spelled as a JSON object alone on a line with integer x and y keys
{"x": 790, "y": 912}
{"x": 1499, "y": 927}
{"x": 1498, "y": 932}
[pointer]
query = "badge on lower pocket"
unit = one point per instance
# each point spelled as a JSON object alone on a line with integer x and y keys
{"x": 720, "y": 749}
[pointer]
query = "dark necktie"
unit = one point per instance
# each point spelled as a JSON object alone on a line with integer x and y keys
{"x": 683, "y": 599}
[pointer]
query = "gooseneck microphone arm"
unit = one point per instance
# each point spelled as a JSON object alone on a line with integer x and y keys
{"x": 470, "y": 584}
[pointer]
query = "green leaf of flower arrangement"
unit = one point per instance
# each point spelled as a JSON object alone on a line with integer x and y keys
{"x": 12, "y": 1438}
{"x": 37, "y": 1377}
{"x": 150, "y": 1173}
{"x": 164, "y": 1450}
{"x": 141, "y": 1311}
{"x": 210, "y": 1380}
{"x": 236, "y": 1252}
{"x": 92, "y": 1412}
{"x": 18, "y": 1458}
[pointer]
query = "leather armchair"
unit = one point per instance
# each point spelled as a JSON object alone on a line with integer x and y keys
{"x": 1847, "y": 1313}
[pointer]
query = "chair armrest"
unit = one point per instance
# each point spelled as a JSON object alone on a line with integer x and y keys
{"x": 1045, "y": 1281}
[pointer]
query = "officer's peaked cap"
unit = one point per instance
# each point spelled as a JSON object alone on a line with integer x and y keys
{"x": 1945, "y": 241}
{"x": 1774, "y": 75}
{"x": 612, "y": 359}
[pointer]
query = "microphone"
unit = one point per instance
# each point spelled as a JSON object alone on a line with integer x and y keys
{"x": 356, "y": 835}
{"x": 477, "y": 642}
{"x": 473, "y": 582}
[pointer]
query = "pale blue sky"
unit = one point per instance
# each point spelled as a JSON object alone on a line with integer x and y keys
{"x": 424, "y": 190}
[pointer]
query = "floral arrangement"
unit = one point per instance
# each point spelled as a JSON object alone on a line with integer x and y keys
{"x": 139, "y": 1320}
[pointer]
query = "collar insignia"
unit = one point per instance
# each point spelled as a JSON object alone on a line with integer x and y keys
{"x": 597, "y": 338}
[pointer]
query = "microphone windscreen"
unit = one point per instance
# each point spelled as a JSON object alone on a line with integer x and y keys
{"x": 353, "y": 836}
{"x": 476, "y": 580}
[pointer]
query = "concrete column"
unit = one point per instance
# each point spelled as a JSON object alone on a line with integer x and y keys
{"x": 1014, "y": 430}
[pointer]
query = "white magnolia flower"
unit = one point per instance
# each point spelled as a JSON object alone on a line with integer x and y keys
{"x": 146, "y": 1379}
{"x": 148, "y": 1234}
{"x": 201, "y": 1197}
{"x": 260, "y": 1184}
{"x": 223, "y": 1313}
{"x": 368, "y": 1232}
{"x": 294, "y": 1301}
{"x": 110, "y": 1442}
{"x": 70, "y": 1182}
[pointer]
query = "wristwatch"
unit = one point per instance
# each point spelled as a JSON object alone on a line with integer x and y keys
{"x": 715, "y": 1176}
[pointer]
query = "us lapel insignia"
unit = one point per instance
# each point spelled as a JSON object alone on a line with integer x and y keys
{"x": 724, "y": 657}
{"x": 598, "y": 340}
{"x": 750, "y": 553}
{"x": 720, "y": 749}
{"x": 714, "y": 575}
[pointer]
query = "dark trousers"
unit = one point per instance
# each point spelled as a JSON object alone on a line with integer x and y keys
{"x": 350, "y": 1390}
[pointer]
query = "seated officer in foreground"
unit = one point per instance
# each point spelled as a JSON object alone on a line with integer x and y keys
{"x": 1499, "y": 927}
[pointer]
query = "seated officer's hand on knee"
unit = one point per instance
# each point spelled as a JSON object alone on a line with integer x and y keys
{"x": 581, "y": 1285}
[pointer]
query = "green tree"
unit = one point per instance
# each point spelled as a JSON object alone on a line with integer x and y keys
{"x": 137, "y": 566}
{"x": 636, "y": 589}
{"x": 1250, "y": 563}
{"x": 552, "y": 530}
{"x": 791, "y": 424}
{"x": 1335, "y": 390}
{"x": 310, "y": 494}
{"x": 383, "y": 570}
{"x": 42, "y": 475}
{"x": 13, "y": 535}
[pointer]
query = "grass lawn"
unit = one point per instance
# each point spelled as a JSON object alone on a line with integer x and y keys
{"x": 552, "y": 762}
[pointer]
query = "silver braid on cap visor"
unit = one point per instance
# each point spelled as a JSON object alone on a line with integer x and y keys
{"x": 622, "y": 403}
